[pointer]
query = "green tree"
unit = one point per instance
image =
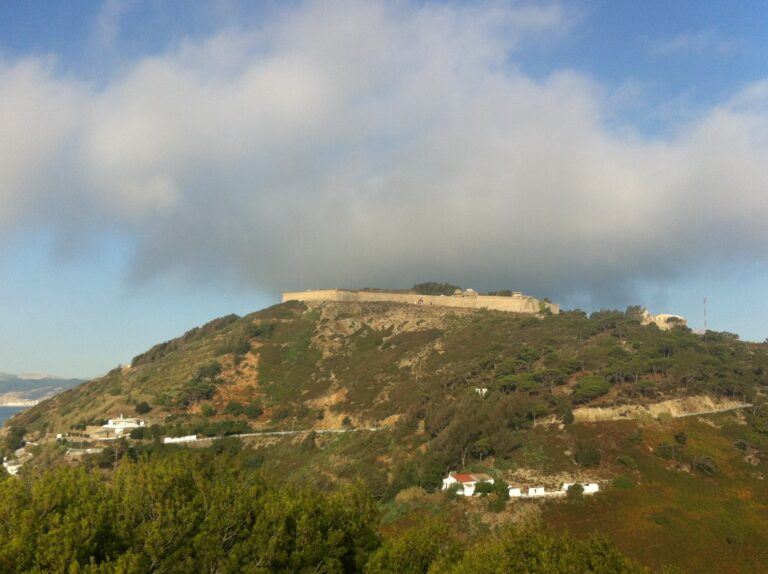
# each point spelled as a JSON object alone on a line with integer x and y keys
{"x": 589, "y": 387}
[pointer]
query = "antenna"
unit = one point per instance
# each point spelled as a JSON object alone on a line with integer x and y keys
{"x": 705, "y": 315}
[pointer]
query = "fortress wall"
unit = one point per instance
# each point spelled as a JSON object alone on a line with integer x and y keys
{"x": 514, "y": 304}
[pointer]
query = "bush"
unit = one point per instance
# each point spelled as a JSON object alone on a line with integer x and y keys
{"x": 587, "y": 455}
{"x": 253, "y": 410}
{"x": 496, "y": 504}
{"x": 627, "y": 461}
{"x": 575, "y": 491}
{"x": 483, "y": 488}
{"x": 681, "y": 438}
{"x": 590, "y": 387}
{"x": 704, "y": 465}
{"x": 623, "y": 482}
{"x": 666, "y": 451}
{"x": 143, "y": 408}
{"x": 434, "y": 288}
{"x": 233, "y": 408}
{"x": 207, "y": 410}
{"x": 140, "y": 433}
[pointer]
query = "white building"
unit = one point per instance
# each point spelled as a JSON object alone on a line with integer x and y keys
{"x": 589, "y": 487}
{"x": 121, "y": 424}
{"x": 179, "y": 439}
{"x": 466, "y": 482}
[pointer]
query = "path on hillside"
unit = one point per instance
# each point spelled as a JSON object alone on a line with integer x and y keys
{"x": 715, "y": 411}
{"x": 284, "y": 433}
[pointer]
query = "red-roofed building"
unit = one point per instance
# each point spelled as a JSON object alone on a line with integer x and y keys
{"x": 466, "y": 482}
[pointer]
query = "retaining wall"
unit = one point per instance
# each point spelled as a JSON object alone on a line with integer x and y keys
{"x": 513, "y": 304}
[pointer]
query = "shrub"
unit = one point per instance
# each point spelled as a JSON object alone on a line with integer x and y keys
{"x": 627, "y": 461}
{"x": 483, "y": 488}
{"x": 681, "y": 438}
{"x": 143, "y": 408}
{"x": 434, "y": 288}
{"x": 587, "y": 455}
{"x": 139, "y": 433}
{"x": 575, "y": 491}
{"x": 233, "y": 408}
{"x": 590, "y": 387}
{"x": 496, "y": 504}
{"x": 704, "y": 465}
{"x": 253, "y": 410}
{"x": 623, "y": 482}
{"x": 665, "y": 450}
{"x": 207, "y": 410}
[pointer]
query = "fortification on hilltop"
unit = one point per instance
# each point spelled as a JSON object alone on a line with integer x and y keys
{"x": 467, "y": 299}
{"x": 663, "y": 321}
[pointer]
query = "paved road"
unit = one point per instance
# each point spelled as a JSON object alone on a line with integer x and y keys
{"x": 284, "y": 433}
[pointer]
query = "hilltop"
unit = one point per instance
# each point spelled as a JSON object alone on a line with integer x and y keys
{"x": 530, "y": 398}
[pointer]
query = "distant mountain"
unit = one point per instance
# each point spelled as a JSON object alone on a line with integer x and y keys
{"x": 28, "y": 388}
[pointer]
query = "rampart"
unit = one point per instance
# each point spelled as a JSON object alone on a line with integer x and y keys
{"x": 516, "y": 303}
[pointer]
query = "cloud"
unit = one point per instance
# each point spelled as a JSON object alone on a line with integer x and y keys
{"x": 376, "y": 143}
{"x": 706, "y": 41}
{"x": 106, "y": 30}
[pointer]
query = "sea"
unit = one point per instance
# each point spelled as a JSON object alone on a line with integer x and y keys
{"x": 8, "y": 412}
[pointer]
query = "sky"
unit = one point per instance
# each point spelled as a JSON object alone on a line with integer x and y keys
{"x": 163, "y": 163}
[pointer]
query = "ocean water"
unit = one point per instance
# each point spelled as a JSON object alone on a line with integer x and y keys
{"x": 8, "y": 412}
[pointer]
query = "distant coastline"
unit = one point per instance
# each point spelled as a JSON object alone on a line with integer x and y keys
{"x": 17, "y": 402}
{"x": 7, "y": 411}
{"x": 21, "y": 403}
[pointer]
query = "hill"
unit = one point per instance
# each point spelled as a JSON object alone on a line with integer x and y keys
{"x": 534, "y": 400}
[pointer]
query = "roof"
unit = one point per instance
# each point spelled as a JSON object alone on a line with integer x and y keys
{"x": 460, "y": 477}
{"x": 466, "y": 477}
{"x": 481, "y": 476}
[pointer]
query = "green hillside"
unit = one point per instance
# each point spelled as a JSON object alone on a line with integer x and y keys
{"x": 440, "y": 389}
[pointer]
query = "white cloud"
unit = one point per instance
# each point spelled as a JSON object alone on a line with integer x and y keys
{"x": 361, "y": 143}
{"x": 706, "y": 41}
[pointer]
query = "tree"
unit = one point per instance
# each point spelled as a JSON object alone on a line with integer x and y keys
{"x": 143, "y": 408}
{"x": 433, "y": 288}
{"x": 575, "y": 491}
{"x": 590, "y": 387}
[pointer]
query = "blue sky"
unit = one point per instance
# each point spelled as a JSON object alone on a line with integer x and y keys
{"x": 164, "y": 163}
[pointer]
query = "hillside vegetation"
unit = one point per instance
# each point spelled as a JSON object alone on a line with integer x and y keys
{"x": 453, "y": 389}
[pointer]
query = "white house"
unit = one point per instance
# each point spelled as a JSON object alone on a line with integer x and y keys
{"x": 515, "y": 492}
{"x": 467, "y": 482}
{"x": 121, "y": 424}
{"x": 589, "y": 488}
{"x": 178, "y": 439}
{"x": 535, "y": 491}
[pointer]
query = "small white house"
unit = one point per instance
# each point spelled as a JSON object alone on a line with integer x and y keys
{"x": 179, "y": 439}
{"x": 466, "y": 482}
{"x": 535, "y": 491}
{"x": 589, "y": 488}
{"x": 515, "y": 492}
{"x": 482, "y": 391}
{"x": 122, "y": 424}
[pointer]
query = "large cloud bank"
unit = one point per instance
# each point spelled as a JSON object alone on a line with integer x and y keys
{"x": 376, "y": 143}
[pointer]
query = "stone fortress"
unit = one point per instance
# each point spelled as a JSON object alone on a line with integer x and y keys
{"x": 466, "y": 299}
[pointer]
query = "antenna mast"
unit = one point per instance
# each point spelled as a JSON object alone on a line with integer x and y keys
{"x": 705, "y": 315}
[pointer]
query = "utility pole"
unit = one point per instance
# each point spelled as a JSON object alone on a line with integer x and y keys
{"x": 705, "y": 315}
